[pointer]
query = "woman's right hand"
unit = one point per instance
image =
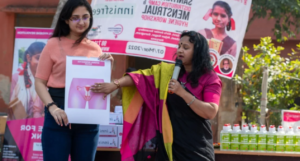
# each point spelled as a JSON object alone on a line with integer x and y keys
{"x": 59, "y": 115}
{"x": 105, "y": 88}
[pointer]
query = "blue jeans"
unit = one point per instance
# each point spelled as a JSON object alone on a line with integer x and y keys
{"x": 59, "y": 142}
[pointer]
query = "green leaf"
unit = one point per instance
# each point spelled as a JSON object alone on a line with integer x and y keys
{"x": 280, "y": 48}
{"x": 245, "y": 49}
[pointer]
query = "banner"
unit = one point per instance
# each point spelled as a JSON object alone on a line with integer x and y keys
{"x": 152, "y": 28}
{"x": 22, "y": 138}
{"x": 290, "y": 118}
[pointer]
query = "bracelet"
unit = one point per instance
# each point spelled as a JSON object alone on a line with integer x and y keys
{"x": 194, "y": 98}
{"x": 117, "y": 82}
{"x": 50, "y": 104}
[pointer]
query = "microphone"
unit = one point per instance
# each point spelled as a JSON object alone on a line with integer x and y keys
{"x": 177, "y": 68}
{"x": 176, "y": 71}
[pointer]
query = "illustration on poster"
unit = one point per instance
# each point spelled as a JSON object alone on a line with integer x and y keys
{"x": 25, "y": 102}
{"x": 221, "y": 15}
{"x": 80, "y": 95}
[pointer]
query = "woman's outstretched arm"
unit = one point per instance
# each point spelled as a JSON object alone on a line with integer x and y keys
{"x": 108, "y": 88}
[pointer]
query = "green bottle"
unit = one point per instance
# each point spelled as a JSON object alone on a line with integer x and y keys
{"x": 280, "y": 140}
{"x": 271, "y": 139}
{"x": 235, "y": 138}
{"x": 297, "y": 140}
{"x": 244, "y": 144}
{"x": 225, "y": 137}
{"x": 253, "y": 136}
{"x": 262, "y": 139}
{"x": 290, "y": 140}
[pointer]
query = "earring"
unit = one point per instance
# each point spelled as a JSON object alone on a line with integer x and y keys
{"x": 228, "y": 26}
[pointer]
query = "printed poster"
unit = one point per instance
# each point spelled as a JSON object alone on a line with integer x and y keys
{"x": 152, "y": 28}
{"x": 82, "y": 105}
{"x": 290, "y": 118}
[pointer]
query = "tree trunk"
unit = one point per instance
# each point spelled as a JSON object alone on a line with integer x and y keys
{"x": 60, "y": 6}
{"x": 264, "y": 91}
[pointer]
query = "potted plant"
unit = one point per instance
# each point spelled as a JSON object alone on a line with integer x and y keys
{"x": 283, "y": 81}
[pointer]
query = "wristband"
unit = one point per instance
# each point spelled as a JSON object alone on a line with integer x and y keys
{"x": 50, "y": 104}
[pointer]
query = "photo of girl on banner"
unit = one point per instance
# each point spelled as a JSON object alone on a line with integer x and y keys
{"x": 25, "y": 102}
{"x": 221, "y": 15}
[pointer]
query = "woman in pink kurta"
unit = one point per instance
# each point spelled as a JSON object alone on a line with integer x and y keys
{"x": 193, "y": 100}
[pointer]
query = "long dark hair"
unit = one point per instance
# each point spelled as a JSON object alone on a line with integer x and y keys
{"x": 62, "y": 28}
{"x": 33, "y": 49}
{"x": 201, "y": 58}
{"x": 227, "y": 8}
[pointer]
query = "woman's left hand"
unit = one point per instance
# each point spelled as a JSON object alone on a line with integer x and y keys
{"x": 106, "y": 56}
{"x": 175, "y": 87}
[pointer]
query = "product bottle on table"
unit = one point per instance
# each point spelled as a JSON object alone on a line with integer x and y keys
{"x": 297, "y": 140}
{"x": 235, "y": 138}
{"x": 271, "y": 139}
{"x": 262, "y": 139}
{"x": 225, "y": 137}
{"x": 244, "y": 138}
{"x": 280, "y": 140}
{"x": 290, "y": 141}
{"x": 253, "y": 138}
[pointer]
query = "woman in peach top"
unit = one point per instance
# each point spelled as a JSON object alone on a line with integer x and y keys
{"x": 59, "y": 140}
